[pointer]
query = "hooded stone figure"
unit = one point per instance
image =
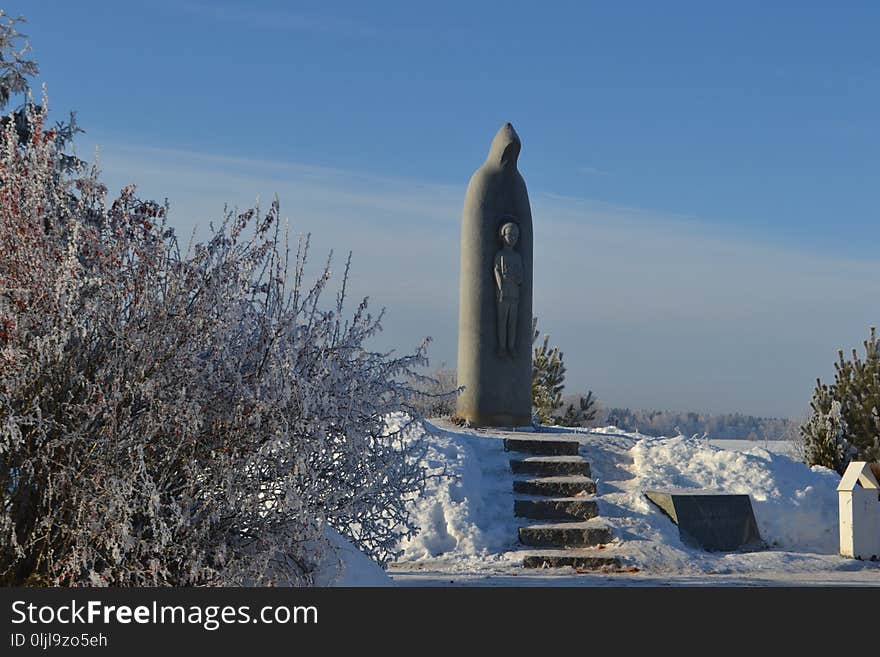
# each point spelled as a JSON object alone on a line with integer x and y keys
{"x": 495, "y": 302}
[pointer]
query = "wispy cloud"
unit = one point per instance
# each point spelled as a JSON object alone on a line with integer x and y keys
{"x": 650, "y": 309}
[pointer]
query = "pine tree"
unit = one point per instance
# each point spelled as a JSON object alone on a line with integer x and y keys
{"x": 548, "y": 382}
{"x": 548, "y": 378}
{"x": 580, "y": 415}
{"x": 845, "y": 420}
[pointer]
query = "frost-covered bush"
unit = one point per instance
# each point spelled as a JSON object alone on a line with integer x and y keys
{"x": 15, "y": 67}
{"x": 438, "y": 390}
{"x": 180, "y": 416}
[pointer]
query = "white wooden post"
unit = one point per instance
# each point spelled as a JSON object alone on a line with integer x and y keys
{"x": 859, "y": 504}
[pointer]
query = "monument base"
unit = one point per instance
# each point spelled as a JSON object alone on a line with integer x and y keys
{"x": 496, "y": 420}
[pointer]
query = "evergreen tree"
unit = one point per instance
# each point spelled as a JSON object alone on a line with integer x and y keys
{"x": 845, "y": 421}
{"x": 548, "y": 378}
{"x": 580, "y": 415}
{"x": 548, "y": 382}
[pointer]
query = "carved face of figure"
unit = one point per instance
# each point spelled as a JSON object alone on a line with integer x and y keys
{"x": 509, "y": 233}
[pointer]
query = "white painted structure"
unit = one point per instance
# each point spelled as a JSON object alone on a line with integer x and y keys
{"x": 859, "y": 500}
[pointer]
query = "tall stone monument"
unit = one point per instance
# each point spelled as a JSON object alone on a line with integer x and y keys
{"x": 495, "y": 295}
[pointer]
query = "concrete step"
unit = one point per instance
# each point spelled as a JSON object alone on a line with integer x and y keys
{"x": 571, "y": 534}
{"x": 542, "y": 446}
{"x": 560, "y": 508}
{"x": 546, "y": 466}
{"x": 571, "y": 486}
{"x": 578, "y": 559}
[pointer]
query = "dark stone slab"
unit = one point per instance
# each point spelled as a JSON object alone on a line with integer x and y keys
{"x": 545, "y": 447}
{"x": 716, "y": 522}
{"x": 556, "y": 509}
{"x": 566, "y": 535}
{"x": 551, "y": 466}
{"x": 555, "y": 486}
{"x": 571, "y": 561}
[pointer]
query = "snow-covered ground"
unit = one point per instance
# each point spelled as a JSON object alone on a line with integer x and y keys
{"x": 468, "y": 533}
{"x": 348, "y": 566}
{"x": 774, "y": 446}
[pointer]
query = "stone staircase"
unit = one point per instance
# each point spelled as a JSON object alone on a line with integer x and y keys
{"x": 553, "y": 484}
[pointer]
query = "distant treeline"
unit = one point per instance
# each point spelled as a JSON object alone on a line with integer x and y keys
{"x": 669, "y": 423}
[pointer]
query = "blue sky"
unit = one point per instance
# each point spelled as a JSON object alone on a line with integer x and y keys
{"x": 703, "y": 177}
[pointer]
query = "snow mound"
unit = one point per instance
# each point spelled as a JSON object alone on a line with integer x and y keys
{"x": 348, "y": 566}
{"x": 467, "y": 526}
{"x": 795, "y": 506}
{"x": 467, "y": 509}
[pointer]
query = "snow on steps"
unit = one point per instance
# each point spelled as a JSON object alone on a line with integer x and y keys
{"x": 558, "y": 493}
{"x": 570, "y": 486}
{"x": 549, "y": 466}
{"x": 565, "y": 534}
{"x": 579, "y": 559}
{"x": 543, "y": 446}
{"x": 556, "y": 508}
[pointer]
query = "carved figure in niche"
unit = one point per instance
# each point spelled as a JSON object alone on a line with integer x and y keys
{"x": 508, "y": 278}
